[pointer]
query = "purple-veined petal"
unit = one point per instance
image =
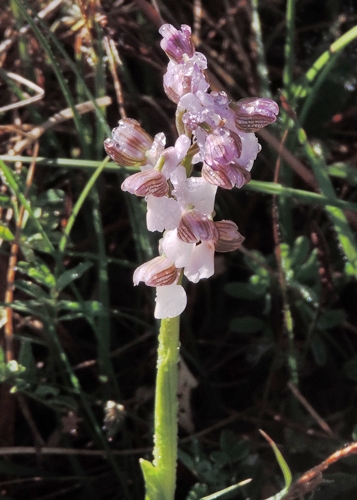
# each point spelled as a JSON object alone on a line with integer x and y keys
{"x": 229, "y": 237}
{"x": 176, "y": 43}
{"x": 156, "y": 272}
{"x": 145, "y": 183}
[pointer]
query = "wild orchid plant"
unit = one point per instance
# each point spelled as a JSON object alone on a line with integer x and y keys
{"x": 219, "y": 134}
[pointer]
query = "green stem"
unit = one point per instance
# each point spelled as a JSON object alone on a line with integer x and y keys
{"x": 160, "y": 477}
{"x": 166, "y": 405}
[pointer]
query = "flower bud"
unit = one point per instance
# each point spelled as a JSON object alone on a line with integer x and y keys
{"x": 176, "y": 43}
{"x": 229, "y": 237}
{"x": 145, "y": 183}
{"x": 156, "y": 272}
{"x": 227, "y": 177}
{"x": 129, "y": 144}
{"x": 222, "y": 147}
{"x": 195, "y": 227}
{"x": 254, "y": 113}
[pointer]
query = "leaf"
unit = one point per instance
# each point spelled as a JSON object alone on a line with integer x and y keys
{"x": 300, "y": 251}
{"x": 227, "y": 493}
{"x": 197, "y": 491}
{"x": 41, "y": 273}
{"x": 52, "y": 197}
{"x": 5, "y": 233}
{"x": 27, "y": 360}
{"x": 31, "y": 289}
{"x": 72, "y": 274}
{"x": 283, "y": 467}
{"x": 152, "y": 482}
{"x": 247, "y": 324}
{"x": 45, "y": 391}
{"x": 37, "y": 242}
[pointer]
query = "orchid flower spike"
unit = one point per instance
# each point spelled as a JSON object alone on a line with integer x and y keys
{"x": 214, "y": 131}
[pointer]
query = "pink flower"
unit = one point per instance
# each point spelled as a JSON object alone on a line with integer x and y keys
{"x": 159, "y": 271}
{"x": 129, "y": 144}
{"x": 147, "y": 182}
{"x": 171, "y": 301}
{"x": 254, "y": 113}
{"x": 176, "y": 43}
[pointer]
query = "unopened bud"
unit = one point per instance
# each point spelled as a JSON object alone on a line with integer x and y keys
{"x": 145, "y": 183}
{"x": 129, "y": 144}
{"x": 176, "y": 43}
{"x": 159, "y": 271}
{"x": 195, "y": 227}
{"x": 254, "y": 113}
{"x": 229, "y": 237}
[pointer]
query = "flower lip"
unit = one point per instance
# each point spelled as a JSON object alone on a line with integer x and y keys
{"x": 254, "y": 113}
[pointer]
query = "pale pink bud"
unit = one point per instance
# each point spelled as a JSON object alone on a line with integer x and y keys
{"x": 195, "y": 226}
{"x": 176, "y": 43}
{"x": 129, "y": 144}
{"x": 145, "y": 183}
{"x": 222, "y": 147}
{"x": 229, "y": 237}
{"x": 181, "y": 79}
{"x": 227, "y": 177}
{"x": 254, "y": 113}
{"x": 156, "y": 272}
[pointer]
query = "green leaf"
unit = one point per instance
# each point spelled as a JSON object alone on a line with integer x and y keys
{"x": 247, "y": 324}
{"x": 5, "y": 233}
{"x": 197, "y": 491}
{"x": 45, "y": 391}
{"x": 53, "y": 198}
{"x": 27, "y": 360}
{"x": 10, "y": 370}
{"x": 152, "y": 482}
{"x": 31, "y": 289}
{"x": 72, "y": 274}
{"x": 300, "y": 251}
{"x": 283, "y": 467}
{"x": 41, "y": 273}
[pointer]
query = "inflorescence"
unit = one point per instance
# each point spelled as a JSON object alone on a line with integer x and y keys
{"x": 212, "y": 130}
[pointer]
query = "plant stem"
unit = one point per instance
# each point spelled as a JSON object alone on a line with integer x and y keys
{"x": 166, "y": 406}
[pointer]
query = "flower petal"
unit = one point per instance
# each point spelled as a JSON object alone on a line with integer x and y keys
{"x": 163, "y": 213}
{"x": 201, "y": 264}
{"x": 170, "y": 300}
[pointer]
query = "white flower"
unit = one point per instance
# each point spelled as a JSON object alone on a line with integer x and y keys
{"x": 170, "y": 300}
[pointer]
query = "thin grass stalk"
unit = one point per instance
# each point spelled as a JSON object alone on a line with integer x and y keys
{"x": 262, "y": 67}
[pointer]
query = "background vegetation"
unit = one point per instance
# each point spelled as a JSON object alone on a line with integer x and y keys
{"x": 269, "y": 342}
